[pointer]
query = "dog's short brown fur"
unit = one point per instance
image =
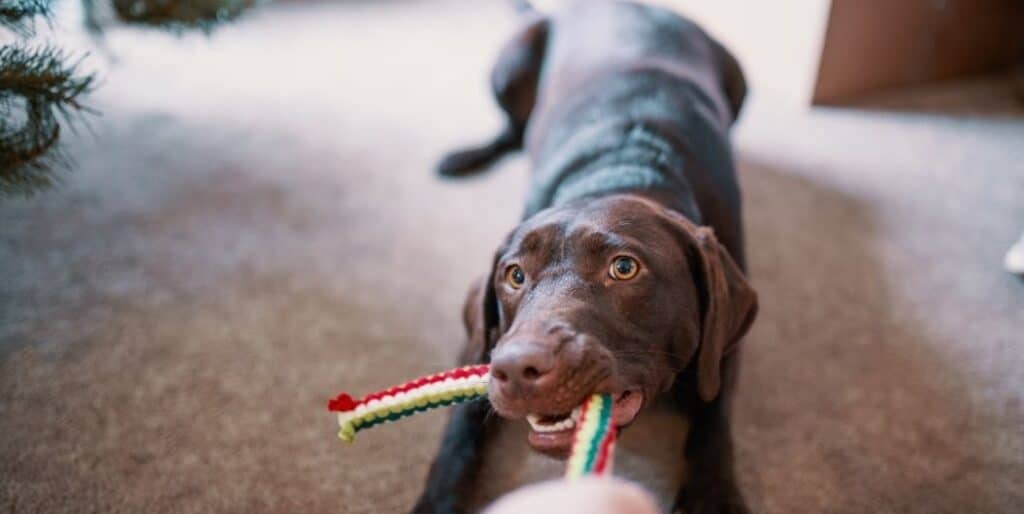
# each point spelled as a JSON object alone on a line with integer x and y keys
{"x": 624, "y": 110}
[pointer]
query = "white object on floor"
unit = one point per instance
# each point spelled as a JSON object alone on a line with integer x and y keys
{"x": 1014, "y": 261}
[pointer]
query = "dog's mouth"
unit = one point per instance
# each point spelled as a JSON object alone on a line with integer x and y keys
{"x": 552, "y": 434}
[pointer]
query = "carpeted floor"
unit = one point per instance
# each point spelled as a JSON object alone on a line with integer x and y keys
{"x": 253, "y": 225}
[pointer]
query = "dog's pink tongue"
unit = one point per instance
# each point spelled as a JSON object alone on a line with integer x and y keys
{"x": 626, "y": 407}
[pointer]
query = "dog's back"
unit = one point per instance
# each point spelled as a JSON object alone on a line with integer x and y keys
{"x": 635, "y": 97}
{"x": 590, "y": 41}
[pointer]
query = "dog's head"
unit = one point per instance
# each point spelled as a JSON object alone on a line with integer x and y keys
{"x": 615, "y": 295}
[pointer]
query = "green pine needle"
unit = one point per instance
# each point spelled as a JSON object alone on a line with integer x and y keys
{"x": 17, "y": 15}
{"x": 38, "y": 90}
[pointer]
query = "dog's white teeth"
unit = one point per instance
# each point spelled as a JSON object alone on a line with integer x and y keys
{"x": 577, "y": 413}
{"x": 535, "y": 424}
{"x": 539, "y": 426}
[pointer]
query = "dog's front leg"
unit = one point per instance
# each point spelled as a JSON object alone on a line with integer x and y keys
{"x": 452, "y": 472}
{"x": 711, "y": 486}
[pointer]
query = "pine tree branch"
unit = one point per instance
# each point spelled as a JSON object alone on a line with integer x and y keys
{"x": 41, "y": 73}
{"x": 38, "y": 88}
{"x": 17, "y": 15}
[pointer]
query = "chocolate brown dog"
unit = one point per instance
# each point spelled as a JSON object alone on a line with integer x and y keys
{"x": 626, "y": 273}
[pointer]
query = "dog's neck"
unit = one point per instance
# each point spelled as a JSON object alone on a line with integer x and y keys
{"x": 608, "y": 179}
{"x": 607, "y": 159}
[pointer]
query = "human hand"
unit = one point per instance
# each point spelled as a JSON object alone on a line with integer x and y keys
{"x": 590, "y": 495}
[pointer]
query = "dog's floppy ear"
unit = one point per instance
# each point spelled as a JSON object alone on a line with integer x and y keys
{"x": 728, "y": 308}
{"x": 480, "y": 317}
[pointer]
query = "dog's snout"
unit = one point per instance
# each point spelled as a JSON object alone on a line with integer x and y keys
{"x": 522, "y": 364}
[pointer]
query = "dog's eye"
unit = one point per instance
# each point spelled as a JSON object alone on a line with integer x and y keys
{"x": 624, "y": 268}
{"x": 514, "y": 276}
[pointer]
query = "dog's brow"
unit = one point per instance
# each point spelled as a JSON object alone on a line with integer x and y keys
{"x": 595, "y": 242}
{"x": 535, "y": 241}
{"x": 531, "y": 242}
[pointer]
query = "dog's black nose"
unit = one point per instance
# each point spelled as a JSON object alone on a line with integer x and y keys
{"x": 521, "y": 364}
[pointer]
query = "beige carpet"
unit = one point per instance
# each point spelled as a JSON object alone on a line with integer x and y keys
{"x": 253, "y": 225}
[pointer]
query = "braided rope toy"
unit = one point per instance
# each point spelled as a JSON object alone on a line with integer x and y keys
{"x": 593, "y": 441}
